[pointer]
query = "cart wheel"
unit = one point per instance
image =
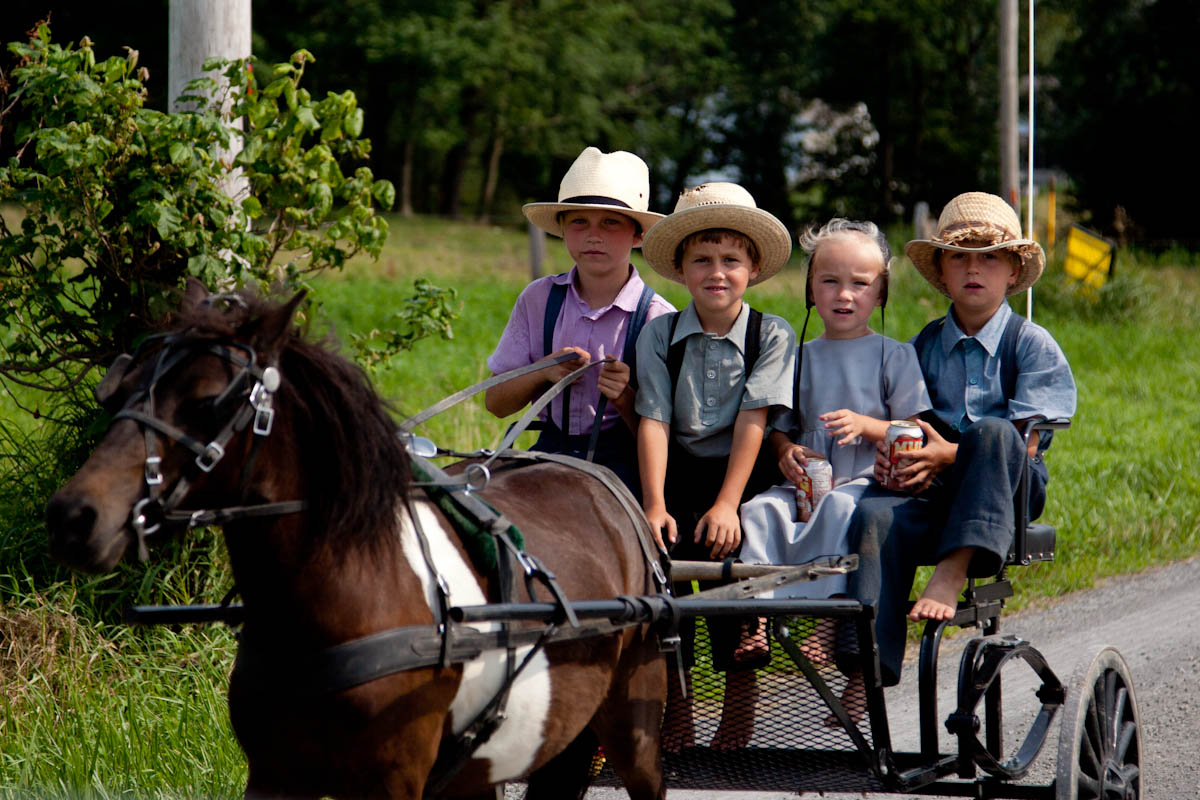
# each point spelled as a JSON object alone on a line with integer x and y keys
{"x": 1100, "y": 742}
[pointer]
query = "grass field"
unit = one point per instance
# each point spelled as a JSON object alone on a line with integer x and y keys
{"x": 90, "y": 708}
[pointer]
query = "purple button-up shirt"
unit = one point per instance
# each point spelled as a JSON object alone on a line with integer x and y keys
{"x": 600, "y": 331}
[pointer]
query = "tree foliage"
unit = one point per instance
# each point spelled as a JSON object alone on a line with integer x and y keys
{"x": 114, "y": 204}
{"x": 821, "y": 107}
{"x": 1125, "y": 102}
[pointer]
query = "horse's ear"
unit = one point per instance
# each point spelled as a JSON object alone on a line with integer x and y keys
{"x": 193, "y": 295}
{"x": 269, "y": 330}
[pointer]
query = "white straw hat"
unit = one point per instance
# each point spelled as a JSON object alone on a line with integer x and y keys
{"x": 718, "y": 205}
{"x": 978, "y": 217}
{"x": 617, "y": 181}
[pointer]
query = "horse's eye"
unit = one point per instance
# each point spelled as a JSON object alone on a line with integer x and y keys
{"x": 199, "y": 411}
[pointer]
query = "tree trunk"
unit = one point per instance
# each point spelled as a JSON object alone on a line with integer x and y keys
{"x": 406, "y": 179}
{"x": 491, "y": 179}
{"x": 456, "y": 160}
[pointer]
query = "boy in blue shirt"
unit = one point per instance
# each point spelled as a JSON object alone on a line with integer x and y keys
{"x": 987, "y": 371}
{"x": 707, "y": 377}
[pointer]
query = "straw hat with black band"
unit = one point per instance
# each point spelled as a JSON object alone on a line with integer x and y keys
{"x": 718, "y": 205}
{"x": 978, "y": 217}
{"x": 617, "y": 181}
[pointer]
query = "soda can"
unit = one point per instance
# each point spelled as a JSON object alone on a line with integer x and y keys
{"x": 902, "y": 437}
{"x": 804, "y": 503}
{"x": 815, "y": 482}
{"x": 820, "y": 475}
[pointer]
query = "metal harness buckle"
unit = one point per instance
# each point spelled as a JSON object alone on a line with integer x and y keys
{"x": 154, "y": 474}
{"x": 213, "y": 452}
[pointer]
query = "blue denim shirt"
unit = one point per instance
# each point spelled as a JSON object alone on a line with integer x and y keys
{"x": 963, "y": 374}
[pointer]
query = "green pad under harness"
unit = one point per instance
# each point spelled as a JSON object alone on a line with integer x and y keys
{"x": 474, "y": 533}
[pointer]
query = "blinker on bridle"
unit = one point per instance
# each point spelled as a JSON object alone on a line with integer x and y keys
{"x": 151, "y": 512}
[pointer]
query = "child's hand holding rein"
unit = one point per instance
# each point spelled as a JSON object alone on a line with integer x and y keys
{"x": 557, "y": 372}
{"x": 614, "y": 379}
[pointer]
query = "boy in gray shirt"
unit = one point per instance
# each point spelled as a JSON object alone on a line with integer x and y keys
{"x": 707, "y": 377}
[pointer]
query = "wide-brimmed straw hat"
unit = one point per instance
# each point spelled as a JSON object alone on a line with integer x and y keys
{"x": 978, "y": 217}
{"x": 718, "y": 205}
{"x": 617, "y": 181}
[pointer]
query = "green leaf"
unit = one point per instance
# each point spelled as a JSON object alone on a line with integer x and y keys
{"x": 320, "y": 197}
{"x": 306, "y": 120}
{"x": 384, "y": 193}
{"x": 167, "y": 220}
{"x": 353, "y": 123}
{"x": 252, "y": 207}
{"x": 180, "y": 152}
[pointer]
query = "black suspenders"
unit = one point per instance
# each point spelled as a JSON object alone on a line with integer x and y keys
{"x": 752, "y": 347}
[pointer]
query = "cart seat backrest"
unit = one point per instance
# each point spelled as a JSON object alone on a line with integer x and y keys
{"x": 1033, "y": 541}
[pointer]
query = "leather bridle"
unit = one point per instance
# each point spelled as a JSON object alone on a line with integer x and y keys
{"x": 248, "y": 397}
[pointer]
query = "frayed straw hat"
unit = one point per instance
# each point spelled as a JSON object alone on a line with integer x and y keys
{"x": 617, "y": 181}
{"x": 978, "y": 217}
{"x": 718, "y": 205}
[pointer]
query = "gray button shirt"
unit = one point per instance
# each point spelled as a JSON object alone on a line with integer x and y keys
{"x": 963, "y": 374}
{"x": 713, "y": 387}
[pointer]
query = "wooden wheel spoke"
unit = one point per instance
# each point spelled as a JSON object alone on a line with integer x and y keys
{"x": 1127, "y": 736}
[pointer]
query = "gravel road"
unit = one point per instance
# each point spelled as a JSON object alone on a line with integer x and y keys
{"x": 1151, "y": 618}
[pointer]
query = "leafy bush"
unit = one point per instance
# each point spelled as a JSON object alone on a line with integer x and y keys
{"x": 109, "y": 206}
{"x": 121, "y": 203}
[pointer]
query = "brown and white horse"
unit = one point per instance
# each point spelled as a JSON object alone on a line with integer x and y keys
{"x": 350, "y": 564}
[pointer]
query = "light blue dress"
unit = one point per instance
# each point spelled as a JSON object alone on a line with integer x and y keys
{"x": 871, "y": 375}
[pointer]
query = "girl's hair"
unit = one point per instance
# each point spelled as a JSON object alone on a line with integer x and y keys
{"x": 838, "y": 228}
{"x": 716, "y": 236}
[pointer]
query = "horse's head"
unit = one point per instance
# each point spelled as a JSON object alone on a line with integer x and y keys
{"x": 184, "y": 399}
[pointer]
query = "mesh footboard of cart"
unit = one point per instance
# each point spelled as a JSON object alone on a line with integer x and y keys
{"x": 795, "y": 743}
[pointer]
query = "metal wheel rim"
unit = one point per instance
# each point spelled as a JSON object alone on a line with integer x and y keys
{"x": 1100, "y": 748}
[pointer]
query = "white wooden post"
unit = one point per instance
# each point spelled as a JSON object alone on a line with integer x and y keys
{"x": 197, "y": 31}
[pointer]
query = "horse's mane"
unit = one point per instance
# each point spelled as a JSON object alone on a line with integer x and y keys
{"x": 347, "y": 440}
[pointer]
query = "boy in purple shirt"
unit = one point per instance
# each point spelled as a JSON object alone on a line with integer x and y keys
{"x": 594, "y": 311}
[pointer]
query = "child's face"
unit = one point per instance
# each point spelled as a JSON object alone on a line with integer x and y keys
{"x": 599, "y": 241}
{"x": 978, "y": 282}
{"x": 716, "y": 274}
{"x": 847, "y": 281}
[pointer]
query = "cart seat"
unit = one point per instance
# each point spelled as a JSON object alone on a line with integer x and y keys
{"x": 1039, "y": 545}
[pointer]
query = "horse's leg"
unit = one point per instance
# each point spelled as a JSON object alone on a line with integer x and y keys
{"x": 567, "y": 775}
{"x": 629, "y": 724}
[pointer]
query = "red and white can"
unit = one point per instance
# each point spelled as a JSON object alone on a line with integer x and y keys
{"x": 815, "y": 483}
{"x": 902, "y": 437}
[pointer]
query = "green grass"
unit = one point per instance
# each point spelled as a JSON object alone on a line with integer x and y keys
{"x": 90, "y": 708}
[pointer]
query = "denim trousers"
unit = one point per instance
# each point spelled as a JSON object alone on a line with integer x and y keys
{"x": 971, "y": 504}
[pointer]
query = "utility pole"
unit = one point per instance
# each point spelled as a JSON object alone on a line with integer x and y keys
{"x": 1009, "y": 171}
{"x": 197, "y": 31}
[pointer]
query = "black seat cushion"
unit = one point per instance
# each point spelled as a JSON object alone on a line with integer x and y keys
{"x": 1039, "y": 544}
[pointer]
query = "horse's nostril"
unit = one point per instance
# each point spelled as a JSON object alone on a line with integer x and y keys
{"x": 68, "y": 520}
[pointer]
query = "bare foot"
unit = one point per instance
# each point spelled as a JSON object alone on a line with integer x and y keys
{"x": 753, "y": 642}
{"x": 817, "y": 647}
{"x": 737, "y": 712}
{"x": 939, "y": 601}
{"x": 854, "y": 700}
{"x": 679, "y": 730}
